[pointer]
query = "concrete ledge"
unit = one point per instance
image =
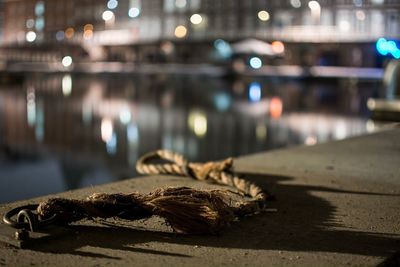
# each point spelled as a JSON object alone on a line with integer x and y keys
{"x": 338, "y": 204}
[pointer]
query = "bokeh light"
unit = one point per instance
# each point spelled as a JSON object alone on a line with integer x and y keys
{"x": 295, "y": 3}
{"x": 112, "y": 4}
{"x": 278, "y": 47}
{"x": 30, "y": 23}
{"x": 69, "y": 33}
{"x": 134, "y": 12}
{"x": 275, "y": 107}
{"x": 255, "y": 92}
{"x": 60, "y": 35}
{"x": 263, "y": 15}
{"x": 106, "y": 129}
{"x": 197, "y": 122}
{"x": 196, "y": 19}
{"x": 66, "y": 85}
{"x": 180, "y": 31}
{"x": 107, "y": 15}
{"x": 66, "y": 61}
{"x": 30, "y": 36}
{"x": 255, "y": 62}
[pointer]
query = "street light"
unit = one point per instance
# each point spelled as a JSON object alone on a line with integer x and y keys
{"x": 108, "y": 17}
{"x": 315, "y": 10}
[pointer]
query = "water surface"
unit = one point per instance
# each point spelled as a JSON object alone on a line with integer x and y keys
{"x": 66, "y": 131}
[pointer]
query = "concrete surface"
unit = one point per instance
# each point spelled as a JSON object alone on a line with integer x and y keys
{"x": 338, "y": 204}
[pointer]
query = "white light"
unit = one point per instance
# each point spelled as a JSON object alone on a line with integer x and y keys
{"x": 344, "y": 25}
{"x": 263, "y": 15}
{"x": 30, "y": 36}
{"x": 314, "y": 6}
{"x": 255, "y": 62}
{"x": 107, "y": 15}
{"x": 125, "y": 115}
{"x": 197, "y": 121}
{"x": 67, "y": 61}
{"x": 295, "y": 3}
{"x": 196, "y": 19}
{"x": 370, "y": 125}
{"x": 340, "y": 130}
{"x": 371, "y": 104}
{"x": 200, "y": 125}
{"x": 134, "y": 12}
{"x": 66, "y": 85}
{"x": 106, "y": 129}
{"x": 310, "y": 140}
{"x": 111, "y": 4}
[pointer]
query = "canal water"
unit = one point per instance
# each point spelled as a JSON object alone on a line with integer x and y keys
{"x": 67, "y": 131}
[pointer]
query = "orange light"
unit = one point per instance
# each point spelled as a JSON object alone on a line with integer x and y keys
{"x": 180, "y": 31}
{"x": 278, "y": 47}
{"x": 275, "y": 107}
{"x": 88, "y": 27}
{"x": 69, "y": 33}
{"x": 88, "y": 34}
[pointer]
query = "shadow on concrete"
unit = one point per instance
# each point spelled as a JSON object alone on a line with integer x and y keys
{"x": 304, "y": 222}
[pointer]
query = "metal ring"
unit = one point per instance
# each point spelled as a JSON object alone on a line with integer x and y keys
{"x": 28, "y": 216}
{"x": 7, "y": 218}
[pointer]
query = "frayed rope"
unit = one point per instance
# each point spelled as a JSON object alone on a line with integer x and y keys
{"x": 186, "y": 210}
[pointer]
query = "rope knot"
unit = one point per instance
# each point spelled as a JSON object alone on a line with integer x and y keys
{"x": 209, "y": 170}
{"x": 186, "y": 210}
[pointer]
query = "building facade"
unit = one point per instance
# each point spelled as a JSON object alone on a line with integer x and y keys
{"x": 113, "y": 23}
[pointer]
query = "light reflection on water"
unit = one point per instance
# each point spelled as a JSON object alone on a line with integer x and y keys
{"x": 61, "y": 132}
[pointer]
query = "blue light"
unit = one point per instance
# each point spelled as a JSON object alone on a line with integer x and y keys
{"x": 381, "y": 46}
{"x": 39, "y": 8}
{"x": 255, "y": 92}
{"x": 39, "y": 24}
{"x": 223, "y": 48}
{"x": 222, "y": 101}
{"x": 255, "y": 62}
{"x": 112, "y": 4}
{"x": 386, "y": 47}
{"x": 111, "y": 145}
{"x": 60, "y": 35}
{"x": 134, "y": 12}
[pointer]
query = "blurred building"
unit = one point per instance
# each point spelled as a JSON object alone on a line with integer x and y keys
{"x": 131, "y": 30}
